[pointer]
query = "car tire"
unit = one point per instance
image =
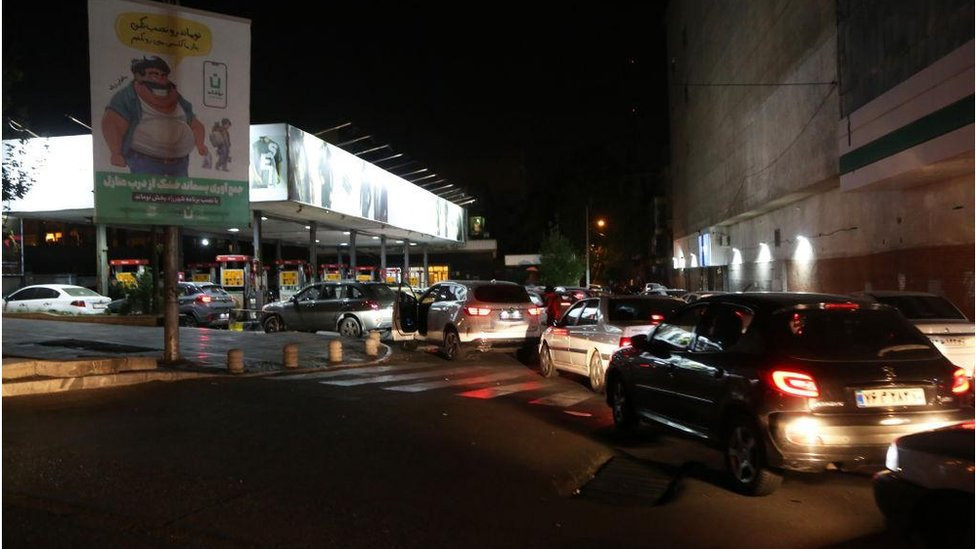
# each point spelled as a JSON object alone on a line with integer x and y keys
{"x": 622, "y": 407}
{"x": 745, "y": 459}
{"x": 597, "y": 379}
{"x": 273, "y": 324}
{"x": 191, "y": 321}
{"x": 452, "y": 349}
{"x": 546, "y": 366}
{"x": 350, "y": 327}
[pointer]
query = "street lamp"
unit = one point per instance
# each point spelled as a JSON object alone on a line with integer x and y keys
{"x": 600, "y": 223}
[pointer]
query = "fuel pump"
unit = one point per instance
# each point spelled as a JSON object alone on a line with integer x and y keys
{"x": 237, "y": 277}
{"x": 203, "y": 272}
{"x": 292, "y": 277}
{"x": 332, "y": 271}
{"x": 364, "y": 274}
{"x": 391, "y": 275}
{"x": 125, "y": 271}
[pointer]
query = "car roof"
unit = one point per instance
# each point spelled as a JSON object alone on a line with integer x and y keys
{"x": 774, "y": 300}
{"x": 475, "y": 283}
{"x": 894, "y": 293}
{"x": 52, "y": 286}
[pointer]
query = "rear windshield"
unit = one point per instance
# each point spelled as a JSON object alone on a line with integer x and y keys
{"x": 861, "y": 334}
{"x": 213, "y": 290}
{"x": 630, "y": 309}
{"x": 380, "y": 292}
{"x": 501, "y": 293}
{"x": 922, "y": 307}
{"x": 80, "y": 292}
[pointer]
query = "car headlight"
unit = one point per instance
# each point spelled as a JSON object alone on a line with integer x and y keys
{"x": 891, "y": 459}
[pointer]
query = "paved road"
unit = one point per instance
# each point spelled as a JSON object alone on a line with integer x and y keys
{"x": 414, "y": 452}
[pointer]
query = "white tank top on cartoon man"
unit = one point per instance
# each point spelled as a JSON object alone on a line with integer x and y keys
{"x": 163, "y": 135}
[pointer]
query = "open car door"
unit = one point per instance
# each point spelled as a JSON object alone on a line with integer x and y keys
{"x": 404, "y": 313}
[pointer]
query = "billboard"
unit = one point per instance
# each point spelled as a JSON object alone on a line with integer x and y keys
{"x": 323, "y": 175}
{"x": 170, "y": 99}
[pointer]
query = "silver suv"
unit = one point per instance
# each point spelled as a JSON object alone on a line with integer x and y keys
{"x": 469, "y": 315}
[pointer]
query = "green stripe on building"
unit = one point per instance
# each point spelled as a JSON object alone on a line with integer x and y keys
{"x": 930, "y": 126}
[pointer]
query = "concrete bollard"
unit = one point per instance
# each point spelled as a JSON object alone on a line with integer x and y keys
{"x": 371, "y": 346}
{"x": 375, "y": 335}
{"x": 289, "y": 355}
{"x": 335, "y": 351}
{"x": 235, "y": 361}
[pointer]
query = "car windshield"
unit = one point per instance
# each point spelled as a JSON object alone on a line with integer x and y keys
{"x": 80, "y": 292}
{"x": 845, "y": 334}
{"x": 501, "y": 293}
{"x": 630, "y": 309}
{"x": 923, "y": 307}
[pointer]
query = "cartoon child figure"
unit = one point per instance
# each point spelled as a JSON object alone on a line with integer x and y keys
{"x": 220, "y": 138}
{"x": 148, "y": 126}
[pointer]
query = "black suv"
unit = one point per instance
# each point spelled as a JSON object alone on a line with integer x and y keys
{"x": 787, "y": 381}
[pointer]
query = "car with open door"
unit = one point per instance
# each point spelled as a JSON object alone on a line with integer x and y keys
{"x": 461, "y": 316}
{"x": 348, "y": 307}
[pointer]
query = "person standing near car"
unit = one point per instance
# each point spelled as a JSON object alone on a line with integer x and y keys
{"x": 552, "y": 305}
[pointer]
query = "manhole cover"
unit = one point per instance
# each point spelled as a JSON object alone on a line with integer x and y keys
{"x": 98, "y": 346}
{"x": 625, "y": 481}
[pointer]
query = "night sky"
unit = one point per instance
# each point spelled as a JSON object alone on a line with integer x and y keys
{"x": 527, "y": 111}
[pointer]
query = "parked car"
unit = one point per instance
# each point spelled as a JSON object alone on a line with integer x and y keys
{"x": 940, "y": 320}
{"x": 926, "y": 490}
{"x": 787, "y": 381}
{"x": 348, "y": 307}
{"x": 539, "y": 300}
{"x": 692, "y": 297}
{"x": 467, "y": 315}
{"x": 56, "y": 298}
{"x": 592, "y": 329}
{"x": 204, "y": 304}
{"x": 563, "y": 298}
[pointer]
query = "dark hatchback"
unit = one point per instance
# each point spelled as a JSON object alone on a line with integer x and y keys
{"x": 787, "y": 381}
{"x": 204, "y": 304}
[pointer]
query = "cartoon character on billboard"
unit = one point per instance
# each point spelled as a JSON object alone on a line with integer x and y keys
{"x": 148, "y": 126}
{"x": 220, "y": 138}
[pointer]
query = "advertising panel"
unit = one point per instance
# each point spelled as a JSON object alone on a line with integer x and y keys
{"x": 269, "y": 163}
{"x": 170, "y": 98}
{"x": 326, "y": 176}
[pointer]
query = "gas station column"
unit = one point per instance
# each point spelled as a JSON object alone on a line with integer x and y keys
{"x": 352, "y": 252}
{"x": 424, "y": 282}
{"x": 256, "y": 242}
{"x": 101, "y": 253}
{"x": 383, "y": 256}
{"x": 312, "y": 255}
{"x": 406, "y": 262}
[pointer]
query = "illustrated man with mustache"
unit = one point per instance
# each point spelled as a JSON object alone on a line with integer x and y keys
{"x": 148, "y": 126}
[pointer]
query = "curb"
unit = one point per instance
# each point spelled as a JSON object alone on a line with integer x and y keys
{"x": 124, "y": 378}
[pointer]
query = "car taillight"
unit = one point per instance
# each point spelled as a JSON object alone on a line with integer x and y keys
{"x": 657, "y": 319}
{"x": 78, "y": 303}
{"x": 624, "y": 342}
{"x": 534, "y": 311}
{"x": 841, "y": 306}
{"x": 477, "y": 311}
{"x": 559, "y": 331}
{"x": 960, "y": 381}
{"x": 372, "y": 304}
{"x": 794, "y": 383}
{"x": 203, "y": 299}
{"x": 579, "y": 295}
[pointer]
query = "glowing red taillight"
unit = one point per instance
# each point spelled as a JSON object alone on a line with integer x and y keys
{"x": 559, "y": 331}
{"x": 477, "y": 311}
{"x": 579, "y": 295}
{"x": 78, "y": 303}
{"x": 841, "y": 306}
{"x": 372, "y": 304}
{"x": 624, "y": 342}
{"x": 534, "y": 311}
{"x": 657, "y": 319}
{"x": 960, "y": 382}
{"x": 794, "y": 383}
{"x": 203, "y": 299}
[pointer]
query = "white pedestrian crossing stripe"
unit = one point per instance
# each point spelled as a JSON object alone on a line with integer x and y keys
{"x": 403, "y": 377}
{"x": 348, "y": 372}
{"x": 418, "y": 387}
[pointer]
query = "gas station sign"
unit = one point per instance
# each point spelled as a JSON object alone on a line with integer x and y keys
{"x": 232, "y": 278}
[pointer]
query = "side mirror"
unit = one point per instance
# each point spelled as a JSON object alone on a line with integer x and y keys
{"x": 639, "y": 341}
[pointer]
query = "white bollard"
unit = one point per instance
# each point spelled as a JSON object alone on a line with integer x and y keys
{"x": 335, "y": 351}
{"x": 235, "y": 361}
{"x": 289, "y": 355}
{"x": 372, "y": 346}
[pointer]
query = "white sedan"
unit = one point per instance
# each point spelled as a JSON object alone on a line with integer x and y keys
{"x": 593, "y": 328}
{"x": 56, "y": 298}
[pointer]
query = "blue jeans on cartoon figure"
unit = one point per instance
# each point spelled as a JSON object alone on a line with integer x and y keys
{"x": 140, "y": 163}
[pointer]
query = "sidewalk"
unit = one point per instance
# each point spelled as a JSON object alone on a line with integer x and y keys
{"x": 50, "y": 355}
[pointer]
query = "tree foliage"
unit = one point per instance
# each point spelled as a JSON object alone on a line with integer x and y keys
{"x": 561, "y": 265}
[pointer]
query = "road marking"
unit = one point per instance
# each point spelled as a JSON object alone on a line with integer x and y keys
{"x": 564, "y": 399}
{"x": 418, "y": 387}
{"x": 350, "y": 372}
{"x": 403, "y": 377}
{"x": 502, "y": 390}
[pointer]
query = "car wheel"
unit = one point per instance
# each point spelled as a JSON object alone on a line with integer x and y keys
{"x": 273, "y": 324}
{"x": 349, "y": 327}
{"x": 546, "y": 367}
{"x": 745, "y": 458}
{"x": 624, "y": 417}
{"x": 191, "y": 321}
{"x": 597, "y": 380}
{"x": 452, "y": 346}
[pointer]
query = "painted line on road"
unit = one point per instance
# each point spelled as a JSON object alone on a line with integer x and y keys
{"x": 402, "y": 377}
{"x": 502, "y": 390}
{"x": 418, "y": 387}
{"x": 368, "y": 370}
{"x": 564, "y": 399}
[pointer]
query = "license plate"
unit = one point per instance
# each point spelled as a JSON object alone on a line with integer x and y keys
{"x": 98, "y": 305}
{"x": 511, "y": 315}
{"x": 949, "y": 341}
{"x": 874, "y": 398}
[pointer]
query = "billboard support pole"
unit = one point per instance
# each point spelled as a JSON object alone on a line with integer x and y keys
{"x": 101, "y": 246}
{"x": 171, "y": 310}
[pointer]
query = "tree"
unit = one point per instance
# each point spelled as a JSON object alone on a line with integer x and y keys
{"x": 18, "y": 172}
{"x": 561, "y": 266}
